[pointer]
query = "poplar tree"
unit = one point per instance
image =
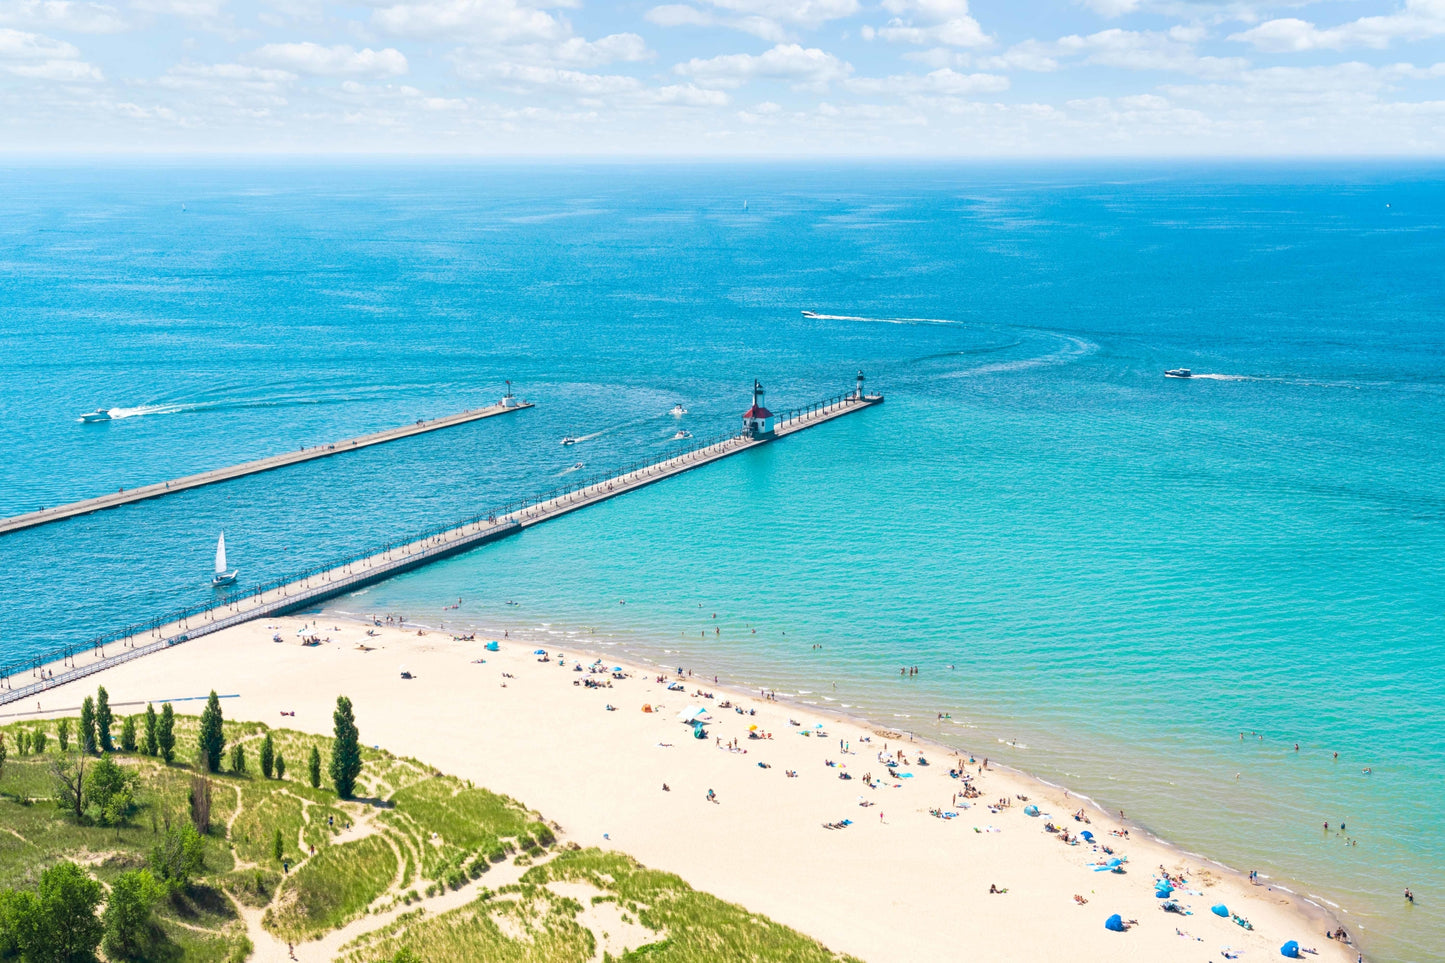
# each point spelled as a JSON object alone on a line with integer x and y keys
{"x": 268, "y": 756}
{"x": 345, "y": 750}
{"x": 313, "y": 768}
{"x": 87, "y": 725}
{"x": 152, "y": 746}
{"x": 166, "y": 734}
{"x": 103, "y": 720}
{"x": 127, "y": 734}
{"x": 280, "y": 766}
{"x": 212, "y": 738}
{"x": 62, "y": 732}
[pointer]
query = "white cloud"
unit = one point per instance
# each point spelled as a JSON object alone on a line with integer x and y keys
{"x": 944, "y": 81}
{"x": 62, "y": 15}
{"x": 577, "y": 51}
{"x": 1146, "y": 50}
{"x": 681, "y": 15}
{"x": 202, "y": 10}
{"x": 37, "y": 57}
{"x": 927, "y": 22}
{"x": 493, "y": 21}
{"x": 806, "y": 13}
{"x": 1112, "y": 8}
{"x": 1417, "y": 20}
{"x": 315, "y": 60}
{"x": 805, "y": 67}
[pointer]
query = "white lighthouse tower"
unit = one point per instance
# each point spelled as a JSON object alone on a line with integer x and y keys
{"x": 758, "y": 422}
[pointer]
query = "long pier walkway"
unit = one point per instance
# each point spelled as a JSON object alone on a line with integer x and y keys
{"x": 294, "y": 593}
{"x": 126, "y": 496}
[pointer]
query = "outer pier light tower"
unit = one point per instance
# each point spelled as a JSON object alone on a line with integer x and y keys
{"x": 758, "y": 422}
{"x": 859, "y": 393}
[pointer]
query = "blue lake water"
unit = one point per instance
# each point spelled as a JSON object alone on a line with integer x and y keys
{"x": 1125, "y": 571}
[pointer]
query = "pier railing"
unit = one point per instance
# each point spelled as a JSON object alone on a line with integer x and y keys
{"x": 142, "y": 638}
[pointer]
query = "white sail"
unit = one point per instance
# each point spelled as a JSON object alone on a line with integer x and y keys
{"x": 221, "y": 555}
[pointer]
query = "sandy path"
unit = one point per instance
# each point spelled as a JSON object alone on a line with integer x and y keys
{"x": 906, "y": 886}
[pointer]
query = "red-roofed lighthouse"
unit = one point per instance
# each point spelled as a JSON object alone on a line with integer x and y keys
{"x": 758, "y": 422}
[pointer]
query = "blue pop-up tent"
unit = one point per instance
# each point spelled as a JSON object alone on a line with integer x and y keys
{"x": 1290, "y": 950}
{"x": 1219, "y": 909}
{"x": 1115, "y": 923}
{"x": 492, "y": 646}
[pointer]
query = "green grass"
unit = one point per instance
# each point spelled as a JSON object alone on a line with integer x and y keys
{"x": 446, "y": 832}
{"x": 332, "y": 888}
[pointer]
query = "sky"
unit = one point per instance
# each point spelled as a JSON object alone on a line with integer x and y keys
{"x": 816, "y": 79}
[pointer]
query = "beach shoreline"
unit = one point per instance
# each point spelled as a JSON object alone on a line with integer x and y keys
{"x": 599, "y": 774}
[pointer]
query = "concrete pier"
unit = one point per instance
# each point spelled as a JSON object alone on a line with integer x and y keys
{"x": 126, "y": 496}
{"x": 308, "y": 590}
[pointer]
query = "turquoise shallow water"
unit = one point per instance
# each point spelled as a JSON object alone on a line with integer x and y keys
{"x": 1124, "y": 571}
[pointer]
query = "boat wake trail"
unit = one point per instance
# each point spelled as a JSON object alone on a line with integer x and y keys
{"x": 850, "y": 317}
{"x": 1223, "y": 377}
{"x": 1071, "y": 348}
{"x": 143, "y": 410}
{"x": 567, "y": 471}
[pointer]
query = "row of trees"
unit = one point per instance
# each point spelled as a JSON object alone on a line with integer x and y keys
{"x": 345, "y": 749}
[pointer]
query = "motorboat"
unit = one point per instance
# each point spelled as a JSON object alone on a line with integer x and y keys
{"x": 810, "y": 314}
{"x": 569, "y": 440}
{"x": 1178, "y": 373}
{"x": 578, "y": 467}
{"x": 681, "y": 435}
{"x": 677, "y": 411}
{"x": 99, "y": 414}
{"x": 222, "y": 576}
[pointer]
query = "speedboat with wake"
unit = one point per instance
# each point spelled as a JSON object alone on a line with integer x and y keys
{"x": 810, "y": 314}
{"x": 99, "y": 414}
{"x": 681, "y": 435}
{"x": 677, "y": 411}
{"x": 222, "y": 576}
{"x": 1178, "y": 373}
{"x": 569, "y": 440}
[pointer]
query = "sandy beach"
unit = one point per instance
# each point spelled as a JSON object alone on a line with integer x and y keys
{"x": 900, "y": 882}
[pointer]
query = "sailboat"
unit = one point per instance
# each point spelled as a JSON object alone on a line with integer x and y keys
{"x": 223, "y": 577}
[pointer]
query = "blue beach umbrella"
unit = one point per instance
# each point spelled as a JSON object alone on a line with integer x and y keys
{"x": 1115, "y": 923}
{"x": 1088, "y": 836}
{"x": 1220, "y": 910}
{"x": 539, "y": 652}
{"x": 1290, "y": 950}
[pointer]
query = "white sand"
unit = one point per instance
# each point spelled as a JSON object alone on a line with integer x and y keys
{"x": 907, "y": 886}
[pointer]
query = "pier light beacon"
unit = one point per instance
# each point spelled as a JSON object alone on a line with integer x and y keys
{"x": 758, "y": 422}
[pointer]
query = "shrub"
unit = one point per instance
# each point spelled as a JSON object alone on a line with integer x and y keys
{"x": 238, "y": 759}
{"x": 38, "y": 740}
{"x": 212, "y": 737}
{"x": 127, "y": 734}
{"x": 127, "y": 919}
{"x": 109, "y": 793}
{"x": 179, "y": 856}
{"x": 280, "y": 766}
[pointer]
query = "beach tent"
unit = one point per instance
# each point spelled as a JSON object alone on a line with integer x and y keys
{"x": 692, "y": 715}
{"x": 1115, "y": 923}
{"x": 1087, "y": 836}
{"x": 1031, "y": 810}
{"x": 1290, "y": 950}
{"x": 493, "y": 646}
{"x": 1163, "y": 890}
{"x": 1219, "y": 909}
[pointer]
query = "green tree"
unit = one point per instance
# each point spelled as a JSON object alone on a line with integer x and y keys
{"x": 313, "y": 768}
{"x": 87, "y": 725}
{"x": 62, "y": 733}
{"x": 17, "y": 913}
{"x": 109, "y": 793}
{"x": 127, "y": 734}
{"x": 152, "y": 746}
{"x": 278, "y": 847}
{"x": 268, "y": 756}
{"x": 103, "y": 720}
{"x": 22, "y": 741}
{"x": 212, "y": 738}
{"x": 70, "y": 785}
{"x": 280, "y": 766}
{"x": 179, "y": 856}
{"x": 38, "y": 740}
{"x": 238, "y": 759}
{"x": 346, "y": 750}
{"x": 127, "y": 919}
{"x": 58, "y": 923}
{"x": 2, "y": 769}
{"x": 166, "y": 734}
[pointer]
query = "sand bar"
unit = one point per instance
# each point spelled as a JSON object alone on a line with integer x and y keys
{"x": 899, "y": 884}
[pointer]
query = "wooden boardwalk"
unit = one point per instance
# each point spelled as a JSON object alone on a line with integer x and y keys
{"x": 338, "y": 580}
{"x": 126, "y": 496}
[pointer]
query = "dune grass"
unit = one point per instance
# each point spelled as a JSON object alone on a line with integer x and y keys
{"x": 333, "y": 888}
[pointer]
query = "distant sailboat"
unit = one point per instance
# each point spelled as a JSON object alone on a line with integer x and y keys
{"x": 223, "y": 577}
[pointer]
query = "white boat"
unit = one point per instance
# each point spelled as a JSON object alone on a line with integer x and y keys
{"x": 99, "y": 414}
{"x": 681, "y": 435}
{"x": 1178, "y": 373}
{"x": 223, "y": 577}
{"x": 809, "y": 314}
{"x": 677, "y": 411}
{"x": 579, "y": 466}
{"x": 569, "y": 440}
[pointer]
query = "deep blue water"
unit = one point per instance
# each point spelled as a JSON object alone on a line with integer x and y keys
{"x": 1126, "y": 571}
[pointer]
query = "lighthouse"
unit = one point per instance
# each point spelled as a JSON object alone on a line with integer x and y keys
{"x": 758, "y": 422}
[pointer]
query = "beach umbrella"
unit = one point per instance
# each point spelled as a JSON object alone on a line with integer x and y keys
{"x": 539, "y": 652}
{"x": 1088, "y": 836}
{"x": 1115, "y": 923}
{"x": 1163, "y": 890}
{"x": 1290, "y": 950}
{"x": 617, "y": 668}
{"x": 752, "y": 728}
{"x": 1219, "y": 909}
